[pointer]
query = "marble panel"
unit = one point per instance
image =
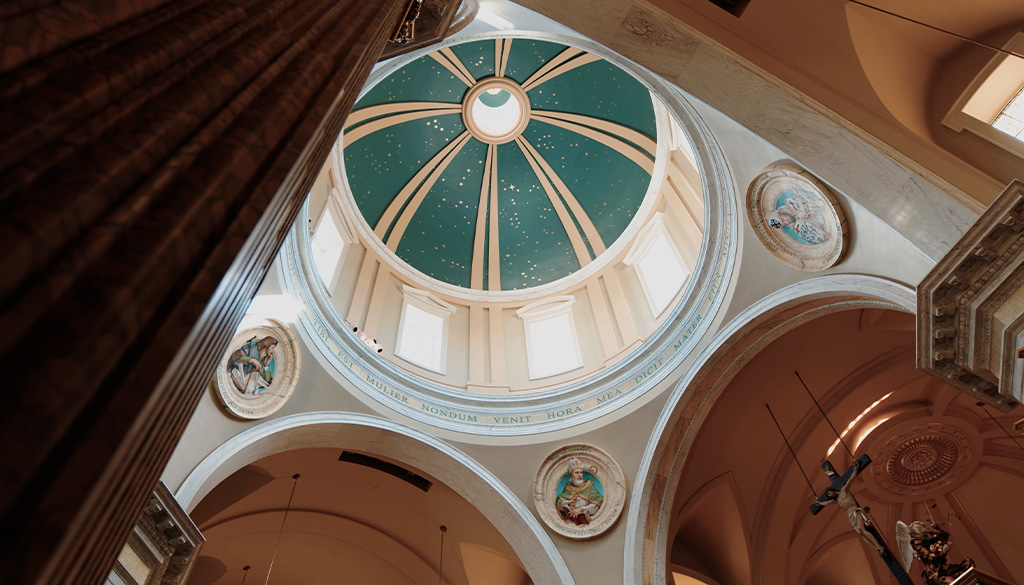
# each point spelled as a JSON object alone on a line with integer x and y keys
{"x": 651, "y": 42}
{"x": 926, "y": 215}
{"x": 722, "y": 83}
{"x": 916, "y": 208}
{"x": 597, "y": 19}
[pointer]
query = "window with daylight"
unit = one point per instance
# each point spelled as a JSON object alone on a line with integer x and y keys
{"x": 551, "y": 343}
{"x": 423, "y": 330}
{"x": 1011, "y": 119}
{"x": 992, "y": 106}
{"x": 658, "y": 264}
{"x": 328, "y": 246}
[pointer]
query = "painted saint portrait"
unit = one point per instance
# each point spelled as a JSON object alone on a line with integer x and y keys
{"x": 251, "y": 366}
{"x": 580, "y": 494}
{"x": 258, "y": 371}
{"x": 803, "y": 215}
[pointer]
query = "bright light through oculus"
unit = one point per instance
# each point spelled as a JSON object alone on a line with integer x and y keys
{"x": 496, "y": 110}
{"x": 496, "y": 113}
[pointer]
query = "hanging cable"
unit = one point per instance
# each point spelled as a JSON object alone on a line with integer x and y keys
{"x": 280, "y": 531}
{"x": 935, "y": 28}
{"x": 245, "y": 573}
{"x": 791, "y": 452}
{"x": 823, "y": 415}
{"x": 998, "y": 424}
{"x": 440, "y": 559}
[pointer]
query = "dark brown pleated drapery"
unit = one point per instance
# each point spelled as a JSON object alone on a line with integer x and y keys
{"x": 153, "y": 154}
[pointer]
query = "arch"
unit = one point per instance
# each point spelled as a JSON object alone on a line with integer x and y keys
{"x": 335, "y": 541}
{"x": 689, "y": 404}
{"x": 397, "y": 442}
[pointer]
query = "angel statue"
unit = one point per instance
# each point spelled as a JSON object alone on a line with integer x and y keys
{"x": 930, "y": 543}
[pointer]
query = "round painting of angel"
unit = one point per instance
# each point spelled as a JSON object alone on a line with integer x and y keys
{"x": 797, "y": 218}
{"x": 258, "y": 372}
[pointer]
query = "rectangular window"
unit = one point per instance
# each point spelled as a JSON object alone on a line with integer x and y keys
{"x": 551, "y": 343}
{"x": 327, "y": 247}
{"x": 421, "y": 339}
{"x": 1011, "y": 118}
{"x": 990, "y": 107}
{"x": 659, "y": 266}
{"x": 662, "y": 273}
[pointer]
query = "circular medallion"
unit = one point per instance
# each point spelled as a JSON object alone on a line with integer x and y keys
{"x": 924, "y": 459}
{"x": 579, "y": 491}
{"x": 797, "y": 218}
{"x": 259, "y": 371}
{"x": 496, "y": 110}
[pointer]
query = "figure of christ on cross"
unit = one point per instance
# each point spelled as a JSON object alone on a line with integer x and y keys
{"x": 839, "y": 493}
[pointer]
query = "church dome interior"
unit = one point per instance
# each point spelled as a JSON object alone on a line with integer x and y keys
{"x": 494, "y": 292}
{"x": 508, "y": 270}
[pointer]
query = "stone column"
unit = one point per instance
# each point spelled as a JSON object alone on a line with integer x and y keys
{"x": 153, "y": 154}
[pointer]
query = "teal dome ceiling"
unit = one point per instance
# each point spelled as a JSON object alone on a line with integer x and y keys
{"x": 501, "y": 164}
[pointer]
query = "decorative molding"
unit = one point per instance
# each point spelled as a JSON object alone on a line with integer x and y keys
{"x": 405, "y": 32}
{"x": 164, "y": 539}
{"x": 427, "y": 22}
{"x": 924, "y": 460}
{"x": 492, "y": 84}
{"x": 964, "y": 335}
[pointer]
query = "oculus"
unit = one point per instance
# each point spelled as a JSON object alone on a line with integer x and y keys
{"x": 579, "y": 492}
{"x": 797, "y": 218}
{"x": 496, "y": 110}
{"x": 258, "y": 373}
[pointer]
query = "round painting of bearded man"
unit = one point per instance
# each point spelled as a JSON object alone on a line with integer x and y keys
{"x": 580, "y": 491}
{"x": 797, "y": 218}
{"x": 258, "y": 372}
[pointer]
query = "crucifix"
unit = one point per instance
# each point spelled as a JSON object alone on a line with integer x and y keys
{"x": 839, "y": 493}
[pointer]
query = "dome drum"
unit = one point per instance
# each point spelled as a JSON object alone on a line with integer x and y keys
{"x": 489, "y": 391}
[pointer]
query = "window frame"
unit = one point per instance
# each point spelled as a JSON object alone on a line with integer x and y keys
{"x": 333, "y": 211}
{"x": 432, "y": 305}
{"x": 642, "y": 247}
{"x": 546, "y": 310}
{"x": 989, "y": 94}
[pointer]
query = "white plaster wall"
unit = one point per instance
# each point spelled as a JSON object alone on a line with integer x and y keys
{"x": 875, "y": 248}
